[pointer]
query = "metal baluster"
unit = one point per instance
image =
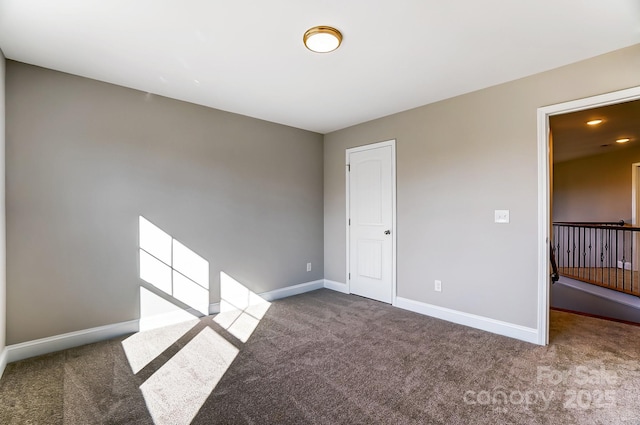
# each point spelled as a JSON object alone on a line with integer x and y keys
{"x": 617, "y": 256}
{"x": 568, "y": 248}
{"x": 633, "y": 241}
{"x": 558, "y": 253}
{"x": 602, "y": 245}
{"x": 583, "y": 252}
{"x": 573, "y": 240}
{"x": 608, "y": 256}
{"x": 590, "y": 245}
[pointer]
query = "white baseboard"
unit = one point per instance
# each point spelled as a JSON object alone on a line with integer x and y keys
{"x": 522, "y": 333}
{"x": 490, "y": 325}
{"x": 3, "y": 361}
{"x": 51, "y": 344}
{"x": 54, "y": 343}
{"x": 336, "y": 286}
{"x": 290, "y": 291}
{"x": 165, "y": 319}
{"x": 277, "y": 294}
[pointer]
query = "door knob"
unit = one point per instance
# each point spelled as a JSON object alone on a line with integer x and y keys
{"x": 387, "y": 232}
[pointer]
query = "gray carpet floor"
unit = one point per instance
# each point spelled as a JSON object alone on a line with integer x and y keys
{"x": 329, "y": 358}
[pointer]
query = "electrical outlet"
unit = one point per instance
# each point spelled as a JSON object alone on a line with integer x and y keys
{"x": 308, "y": 267}
{"x": 438, "y": 286}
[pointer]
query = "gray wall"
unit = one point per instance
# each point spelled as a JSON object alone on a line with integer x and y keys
{"x": 85, "y": 159}
{"x": 595, "y": 188}
{"x": 457, "y": 161}
{"x": 3, "y": 315}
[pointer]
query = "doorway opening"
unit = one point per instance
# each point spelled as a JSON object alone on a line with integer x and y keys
{"x": 549, "y": 211}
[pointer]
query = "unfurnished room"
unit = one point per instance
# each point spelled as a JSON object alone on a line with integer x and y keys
{"x": 345, "y": 212}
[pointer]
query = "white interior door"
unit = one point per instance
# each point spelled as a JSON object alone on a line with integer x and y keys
{"x": 370, "y": 226}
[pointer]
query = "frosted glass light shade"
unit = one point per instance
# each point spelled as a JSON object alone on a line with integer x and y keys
{"x": 322, "y": 39}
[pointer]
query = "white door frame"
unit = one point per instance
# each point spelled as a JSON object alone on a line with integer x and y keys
{"x": 635, "y": 173}
{"x": 543, "y": 189}
{"x": 392, "y": 144}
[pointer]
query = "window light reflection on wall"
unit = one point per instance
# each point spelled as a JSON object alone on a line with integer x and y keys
{"x": 173, "y": 268}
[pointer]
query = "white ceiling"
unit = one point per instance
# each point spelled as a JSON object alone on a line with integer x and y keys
{"x": 247, "y": 56}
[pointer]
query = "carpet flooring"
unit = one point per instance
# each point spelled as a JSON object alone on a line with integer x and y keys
{"x": 329, "y": 358}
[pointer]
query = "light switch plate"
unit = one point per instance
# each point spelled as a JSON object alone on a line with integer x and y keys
{"x": 502, "y": 216}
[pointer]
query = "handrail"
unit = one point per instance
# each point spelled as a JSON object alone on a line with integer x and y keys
{"x": 604, "y": 254}
{"x": 594, "y": 223}
{"x": 598, "y": 225}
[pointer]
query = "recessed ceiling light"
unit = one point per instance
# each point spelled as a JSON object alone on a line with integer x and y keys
{"x": 322, "y": 39}
{"x": 594, "y": 122}
{"x": 623, "y": 140}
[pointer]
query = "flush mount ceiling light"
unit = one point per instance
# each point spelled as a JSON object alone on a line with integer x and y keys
{"x": 594, "y": 122}
{"x": 322, "y": 39}
{"x": 623, "y": 140}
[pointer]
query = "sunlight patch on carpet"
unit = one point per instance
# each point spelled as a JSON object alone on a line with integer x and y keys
{"x": 142, "y": 347}
{"x": 240, "y": 308}
{"x": 175, "y": 393}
